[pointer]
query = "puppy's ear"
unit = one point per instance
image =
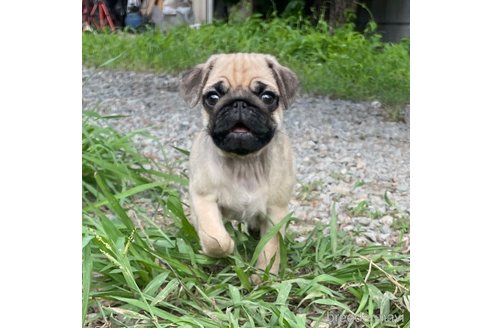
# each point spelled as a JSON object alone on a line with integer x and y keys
{"x": 287, "y": 81}
{"x": 192, "y": 82}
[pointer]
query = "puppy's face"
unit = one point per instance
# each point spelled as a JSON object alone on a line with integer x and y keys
{"x": 243, "y": 98}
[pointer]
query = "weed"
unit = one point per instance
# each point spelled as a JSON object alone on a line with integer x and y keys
{"x": 338, "y": 176}
{"x": 309, "y": 190}
{"x": 361, "y": 209}
{"x": 359, "y": 183}
{"x": 401, "y": 223}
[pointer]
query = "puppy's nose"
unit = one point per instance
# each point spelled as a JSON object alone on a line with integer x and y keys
{"x": 239, "y": 104}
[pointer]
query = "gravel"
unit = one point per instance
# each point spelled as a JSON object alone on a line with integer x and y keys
{"x": 346, "y": 152}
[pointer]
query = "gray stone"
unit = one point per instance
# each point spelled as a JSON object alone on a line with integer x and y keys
{"x": 385, "y": 229}
{"x": 363, "y": 221}
{"x": 386, "y": 220}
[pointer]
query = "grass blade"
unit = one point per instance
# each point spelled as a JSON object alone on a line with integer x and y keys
{"x": 170, "y": 287}
{"x": 141, "y": 305}
{"x": 269, "y": 235}
{"x": 363, "y": 301}
{"x": 182, "y": 151}
{"x": 86, "y": 279}
{"x": 283, "y": 256}
{"x": 327, "y": 301}
{"x": 129, "y": 192}
{"x": 157, "y": 282}
{"x": 111, "y": 60}
{"x": 243, "y": 278}
{"x": 113, "y": 203}
{"x": 333, "y": 229}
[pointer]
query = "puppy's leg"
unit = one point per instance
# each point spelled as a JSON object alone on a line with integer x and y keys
{"x": 214, "y": 239}
{"x": 271, "y": 248}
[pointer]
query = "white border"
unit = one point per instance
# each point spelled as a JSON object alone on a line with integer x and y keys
{"x": 450, "y": 162}
{"x": 40, "y": 134}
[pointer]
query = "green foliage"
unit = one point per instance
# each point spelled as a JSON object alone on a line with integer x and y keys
{"x": 105, "y": 151}
{"x": 342, "y": 63}
{"x": 139, "y": 273}
{"x": 115, "y": 158}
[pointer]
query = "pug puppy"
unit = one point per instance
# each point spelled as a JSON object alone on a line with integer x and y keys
{"x": 241, "y": 163}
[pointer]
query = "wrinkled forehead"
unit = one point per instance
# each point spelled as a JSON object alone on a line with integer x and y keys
{"x": 241, "y": 71}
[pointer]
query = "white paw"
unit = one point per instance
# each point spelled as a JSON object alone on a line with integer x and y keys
{"x": 217, "y": 246}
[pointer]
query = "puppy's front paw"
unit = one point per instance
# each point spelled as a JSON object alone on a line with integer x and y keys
{"x": 217, "y": 246}
{"x": 255, "y": 279}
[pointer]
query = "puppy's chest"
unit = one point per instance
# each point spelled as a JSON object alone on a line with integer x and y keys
{"x": 243, "y": 194}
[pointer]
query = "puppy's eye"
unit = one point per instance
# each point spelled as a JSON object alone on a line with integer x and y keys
{"x": 212, "y": 98}
{"x": 267, "y": 97}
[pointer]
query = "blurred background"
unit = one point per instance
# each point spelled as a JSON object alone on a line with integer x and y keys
{"x": 391, "y": 16}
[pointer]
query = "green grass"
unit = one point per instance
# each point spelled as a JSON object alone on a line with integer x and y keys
{"x": 309, "y": 190}
{"x": 139, "y": 272}
{"x": 343, "y": 63}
